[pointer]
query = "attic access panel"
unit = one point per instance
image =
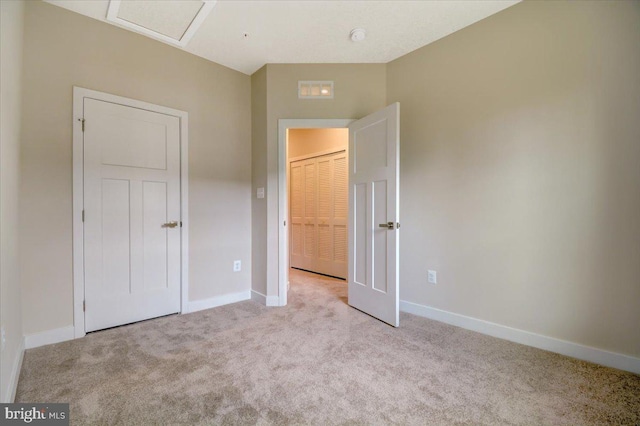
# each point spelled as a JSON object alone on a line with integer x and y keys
{"x": 172, "y": 21}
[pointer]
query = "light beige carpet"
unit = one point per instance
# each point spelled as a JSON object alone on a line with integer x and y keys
{"x": 318, "y": 361}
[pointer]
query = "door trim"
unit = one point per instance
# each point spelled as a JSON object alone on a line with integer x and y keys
{"x": 79, "y": 94}
{"x": 316, "y": 154}
{"x": 283, "y": 204}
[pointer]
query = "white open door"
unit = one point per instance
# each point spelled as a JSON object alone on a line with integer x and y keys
{"x": 374, "y": 182}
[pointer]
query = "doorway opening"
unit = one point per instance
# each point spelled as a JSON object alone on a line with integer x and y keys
{"x": 317, "y": 176}
{"x": 309, "y": 145}
{"x": 373, "y": 213}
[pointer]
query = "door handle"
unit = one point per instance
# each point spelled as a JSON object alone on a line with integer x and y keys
{"x": 172, "y": 224}
{"x": 390, "y": 225}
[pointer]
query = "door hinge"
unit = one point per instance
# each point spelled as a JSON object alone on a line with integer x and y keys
{"x": 82, "y": 121}
{"x": 83, "y": 215}
{"x": 84, "y": 306}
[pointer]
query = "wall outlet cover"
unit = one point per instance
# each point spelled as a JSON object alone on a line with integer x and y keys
{"x": 237, "y": 266}
{"x": 432, "y": 276}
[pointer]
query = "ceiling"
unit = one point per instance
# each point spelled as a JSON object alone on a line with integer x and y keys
{"x": 245, "y": 35}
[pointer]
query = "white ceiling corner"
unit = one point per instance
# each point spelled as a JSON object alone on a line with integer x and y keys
{"x": 245, "y": 34}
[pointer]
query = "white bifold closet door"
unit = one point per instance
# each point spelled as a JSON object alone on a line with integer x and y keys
{"x": 319, "y": 214}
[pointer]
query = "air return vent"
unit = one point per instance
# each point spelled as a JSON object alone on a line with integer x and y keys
{"x": 171, "y": 21}
{"x": 315, "y": 89}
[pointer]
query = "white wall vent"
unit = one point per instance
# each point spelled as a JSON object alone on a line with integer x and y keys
{"x": 315, "y": 89}
{"x": 174, "y": 22}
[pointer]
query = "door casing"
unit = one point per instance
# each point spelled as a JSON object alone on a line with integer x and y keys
{"x": 79, "y": 94}
{"x": 283, "y": 204}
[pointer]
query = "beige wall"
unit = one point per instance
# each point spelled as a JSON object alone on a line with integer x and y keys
{"x": 11, "y": 27}
{"x": 359, "y": 90}
{"x": 63, "y": 49}
{"x": 305, "y": 142}
{"x": 259, "y": 180}
{"x": 520, "y": 171}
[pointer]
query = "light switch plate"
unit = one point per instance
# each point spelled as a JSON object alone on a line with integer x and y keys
{"x": 260, "y": 193}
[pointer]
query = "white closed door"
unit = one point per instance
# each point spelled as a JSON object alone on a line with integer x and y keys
{"x": 374, "y": 183}
{"x": 131, "y": 214}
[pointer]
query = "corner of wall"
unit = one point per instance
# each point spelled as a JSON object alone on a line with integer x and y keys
{"x": 12, "y": 16}
{"x": 10, "y": 393}
{"x": 258, "y": 179}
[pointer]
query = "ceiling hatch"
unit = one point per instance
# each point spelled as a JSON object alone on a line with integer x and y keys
{"x": 171, "y": 21}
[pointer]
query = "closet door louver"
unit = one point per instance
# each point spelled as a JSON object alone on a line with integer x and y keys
{"x": 340, "y": 215}
{"x": 318, "y": 205}
{"x": 310, "y": 237}
{"x": 296, "y": 206}
{"x": 325, "y": 213}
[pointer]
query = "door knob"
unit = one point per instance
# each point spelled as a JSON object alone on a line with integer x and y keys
{"x": 170, "y": 224}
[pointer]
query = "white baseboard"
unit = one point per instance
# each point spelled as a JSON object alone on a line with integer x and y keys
{"x": 15, "y": 375}
{"x": 49, "y": 337}
{"x": 575, "y": 350}
{"x": 199, "y": 305}
{"x": 256, "y": 296}
{"x": 265, "y": 300}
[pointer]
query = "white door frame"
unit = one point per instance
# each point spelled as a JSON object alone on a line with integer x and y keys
{"x": 79, "y": 94}
{"x": 283, "y": 203}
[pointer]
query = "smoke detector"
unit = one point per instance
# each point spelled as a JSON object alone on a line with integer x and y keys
{"x": 358, "y": 34}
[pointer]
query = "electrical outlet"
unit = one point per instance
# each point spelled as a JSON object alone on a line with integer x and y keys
{"x": 4, "y": 338}
{"x": 237, "y": 266}
{"x": 432, "y": 276}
